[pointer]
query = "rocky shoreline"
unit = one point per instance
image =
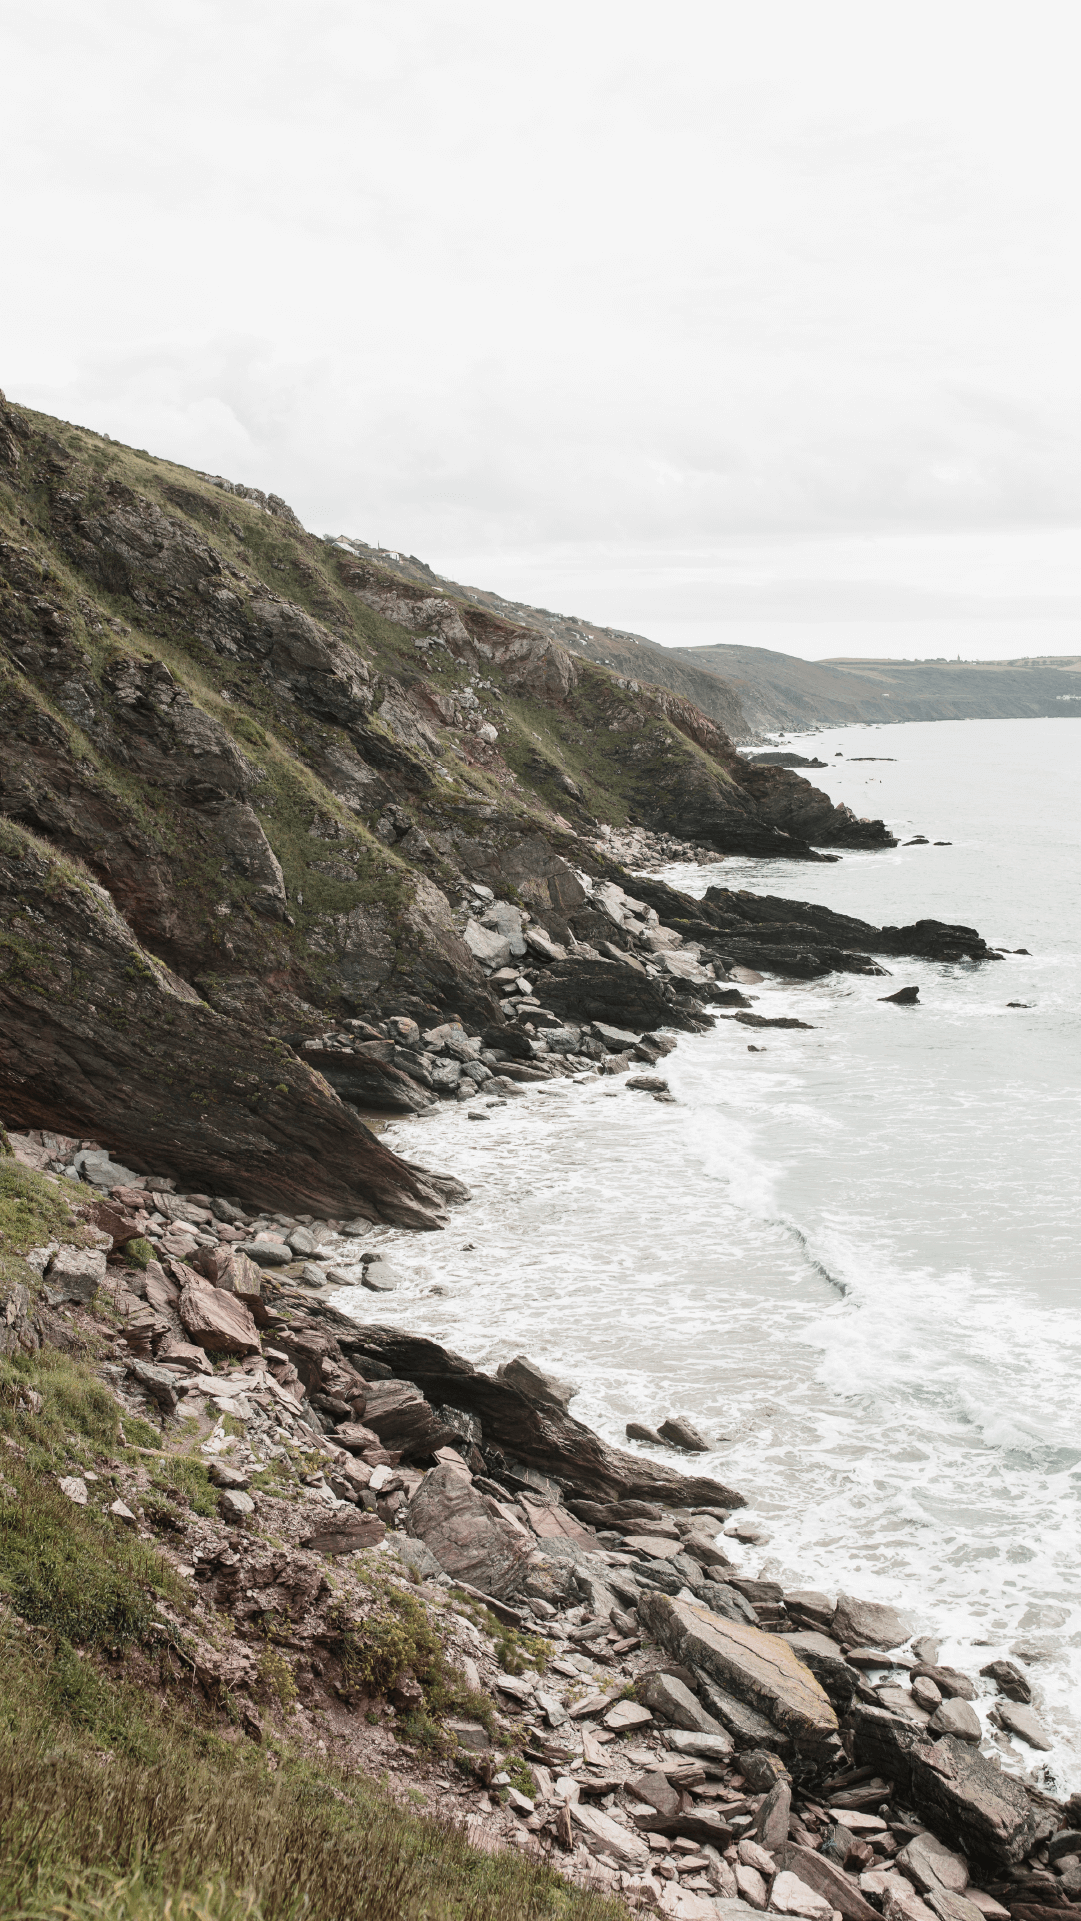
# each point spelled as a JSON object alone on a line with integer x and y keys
{"x": 687, "y": 1736}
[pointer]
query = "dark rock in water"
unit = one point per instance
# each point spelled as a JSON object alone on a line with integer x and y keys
{"x": 956, "y": 1717}
{"x": 678, "y": 1431}
{"x": 950, "y": 1682}
{"x": 1020, "y": 1720}
{"x": 729, "y": 997}
{"x": 615, "y": 1039}
{"x": 1019, "y": 1003}
{"x": 381, "y": 1276}
{"x": 775, "y": 759}
{"x": 780, "y": 1020}
{"x": 1009, "y": 1679}
{"x": 918, "y": 840}
{"x": 539, "y": 1437}
{"x": 806, "y": 939}
{"x": 637, "y": 1431}
{"x": 615, "y": 994}
{"x": 869, "y": 1623}
{"x": 955, "y": 1788}
{"x": 647, "y": 1084}
{"x": 904, "y": 997}
{"x": 535, "y": 1384}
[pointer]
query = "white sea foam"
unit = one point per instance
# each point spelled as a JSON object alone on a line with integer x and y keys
{"x": 851, "y": 1259}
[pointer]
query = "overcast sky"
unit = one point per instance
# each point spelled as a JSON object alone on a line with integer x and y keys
{"x": 713, "y": 320}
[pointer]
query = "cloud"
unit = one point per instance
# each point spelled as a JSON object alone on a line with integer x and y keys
{"x": 592, "y": 290}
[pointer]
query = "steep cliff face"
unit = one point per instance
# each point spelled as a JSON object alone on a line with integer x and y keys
{"x": 285, "y": 765}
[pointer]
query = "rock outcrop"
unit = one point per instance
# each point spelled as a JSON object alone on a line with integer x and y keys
{"x": 98, "y": 1037}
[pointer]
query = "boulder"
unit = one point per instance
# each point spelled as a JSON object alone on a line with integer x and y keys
{"x": 950, "y": 1784}
{"x": 757, "y": 1668}
{"x": 1008, "y": 1677}
{"x": 343, "y": 1532}
{"x": 771, "y": 1821}
{"x": 953, "y": 1907}
{"x": 930, "y": 1865}
{"x": 399, "y": 1414}
{"x": 750, "y": 1729}
{"x": 468, "y": 1534}
{"x": 605, "y": 1836}
{"x": 623, "y": 1715}
{"x": 362, "y": 1440}
{"x": 717, "y": 1747}
{"x": 486, "y": 945}
{"x": 656, "y": 1790}
{"x": 950, "y": 1682}
{"x": 535, "y": 1384}
{"x": 752, "y": 1887}
{"x": 826, "y": 1879}
{"x": 675, "y": 1703}
{"x": 828, "y": 1665}
{"x": 703, "y": 1548}
{"x": 1020, "y": 1720}
{"x": 233, "y": 1272}
{"x": 158, "y": 1382}
{"x": 656, "y": 1547}
{"x": 727, "y": 1601}
{"x": 535, "y": 1434}
{"x": 900, "y": 1902}
{"x": 957, "y": 1718}
{"x": 615, "y": 1039}
{"x": 789, "y": 1895}
{"x": 216, "y": 1321}
{"x": 381, "y": 1276}
{"x": 235, "y": 1506}
{"x": 869, "y": 1623}
{"x": 469, "y": 1734}
{"x": 75, "y": 1273}
{"x": 681, "y": 1432}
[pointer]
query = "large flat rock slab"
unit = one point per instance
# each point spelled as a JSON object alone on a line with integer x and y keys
{"x": 956, "y": 1789}
{"x": 757, "y": 1668}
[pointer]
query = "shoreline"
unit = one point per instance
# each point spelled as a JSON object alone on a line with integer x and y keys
{"x": 537, "y": 1484}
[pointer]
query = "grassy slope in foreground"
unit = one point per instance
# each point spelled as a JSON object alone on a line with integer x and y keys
{"x": 133, "y": 1802}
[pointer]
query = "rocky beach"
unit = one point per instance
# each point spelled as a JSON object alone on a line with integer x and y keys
{"x": 667, "y": 1728}
{"x": 294, "y": 851}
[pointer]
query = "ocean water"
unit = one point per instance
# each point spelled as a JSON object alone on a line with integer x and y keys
{"x": 853, "y": 1258}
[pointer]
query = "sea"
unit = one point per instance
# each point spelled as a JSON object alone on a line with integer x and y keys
{"x": 853, "y": 1258}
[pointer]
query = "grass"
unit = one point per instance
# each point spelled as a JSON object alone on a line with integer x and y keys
{"x": 109, "y": 1809}
{"x": 32, "y": 1209}
{"x": 119, "y": 1798}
